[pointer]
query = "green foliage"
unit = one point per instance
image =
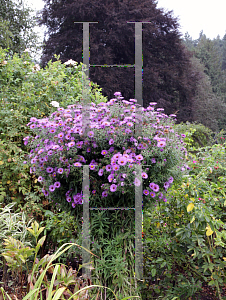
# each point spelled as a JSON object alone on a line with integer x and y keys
{"x": 187, "y": 238}
{"x": 17, "y": 27}
{"x": 61, "y": 278}
{"x": 198, "y": 135}
{"x": 13, "y": 224}
{"x": 27, "y": 91}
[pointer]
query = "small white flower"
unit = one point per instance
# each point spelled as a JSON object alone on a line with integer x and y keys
{"x": 71, "y": 62}
{"x": 55, "y": 103}
{"x": 36, "y": 67}
{"x": 27, "y": 50}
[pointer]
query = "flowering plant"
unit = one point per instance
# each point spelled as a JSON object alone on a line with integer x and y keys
{"x": 112, "y": 149}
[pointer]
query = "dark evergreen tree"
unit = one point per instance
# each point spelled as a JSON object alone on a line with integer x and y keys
{"x": 167, "y": 73}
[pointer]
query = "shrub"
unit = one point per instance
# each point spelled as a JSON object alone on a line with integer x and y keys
{"x": 27, "y": 91}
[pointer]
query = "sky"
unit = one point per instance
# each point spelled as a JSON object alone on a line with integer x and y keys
{"x": 198, "y": 15}
{"x": 194, "y": 16}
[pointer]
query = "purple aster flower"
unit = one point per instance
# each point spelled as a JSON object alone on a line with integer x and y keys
{"x": 33, "y": 119}
{"x": 164, "y": 199}
{"x": 140, "y": 146}
{"x": 52, "y": 130}
{"x": 139, "y": 157}
{"x": 183, "y": 135}
{"x": 60, "y": 135}
{"x": 144, "y": 175}
{"x": 50, "y": 152}
{"x": 104, "y": 194}
{"x": 33, "y": 161}
{"x": 24, "y": 162}
{"x": 127, "y": 130}
{"x": 170, "y": 180}
{"x": 90, "y": 133}
{"x": 73, "y": 204}
{"x": 160, "y": 195}
{"x": 57, "y": 184}
{"x": 122, "y": 161}
{"x": 130, "y": 124}
{"x": 46, "y": 193}
{"x": 79, "y": 144}
{"x": 151, "y": 185}
{"x": 153, "y": 160}
{"x": 113, "y": 187}
{"x": 108, "y": 168}
{"x": 111, "y": 149}
{"x": 92, "y": 167}
{"x": 52, "y": 188}
{"x": 166, "y": 185}
{"x": 156, "y": 188}
{"x": 40, "y": 151}
{"x": 60, "y": 170}
{"x": 104, "y": 152}
{"x": 49, "y": 170}
{"x": 71, "y": 144}
{"x": 152, "y": 194}
{"x": 137, "y": 182}
{"x": 55, "y": 147}
{"x": 130, "y": 166}
{"x": 161, "y": 144}
{"x": 115, "y": 167}
{"x": 146, "y": 192}
{"x": 40, "y": 178}
{"x": 100, "y": 172}
{"x": 41, "y": 159}
{"x": 68, "y": 199}
{"x": 32, "y": 126}
{"x": 111, "y": 141}
{"x": 77, "y": 164}
{"x": 88, "y": 149}
{"x": 110, "y": 177}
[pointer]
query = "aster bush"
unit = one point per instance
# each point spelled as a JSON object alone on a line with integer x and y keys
{"x": 112, "y": 150}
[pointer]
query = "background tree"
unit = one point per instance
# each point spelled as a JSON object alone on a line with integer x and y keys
{"x": 17, "y": 27}
{"x": 167, "y": 75}
{"x": 207, "y": 106}
{"x": 211, "y": 86}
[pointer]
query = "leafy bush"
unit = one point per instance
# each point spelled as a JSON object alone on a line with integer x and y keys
{"x": 38, "y": 282}
{"x": 187, "y": 239}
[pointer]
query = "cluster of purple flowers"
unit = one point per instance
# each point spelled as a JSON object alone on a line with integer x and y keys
{"x": 60, "y": 138}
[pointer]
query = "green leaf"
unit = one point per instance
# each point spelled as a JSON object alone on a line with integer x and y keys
{"x": 40, "y": 230}
{"x": 153, "y": 272}
{"x": 59, "y": 293}
{"x": 42, "y": 240}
